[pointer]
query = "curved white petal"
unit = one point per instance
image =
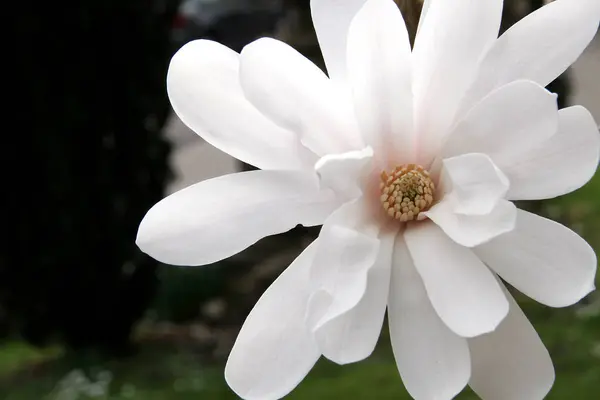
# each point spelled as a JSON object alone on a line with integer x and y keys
{"x": 432, "y": 360}
{"x": 560, "y": 164}
{"x": 446, "y": 55}
{"x": 275, "y": 350}
{"x": 540, "y": 47}
{"x": 511, "y": 363}
{"x": 473, "y": 230}
{"x": 204, "y": 89}
{"x": 543, "y": 259}
{"x": 345, "y": 252}
{"x": 292, "y": 91}
{"x": 345, "y": 173}
{"x": 332, "y": 19}
{"x": 379, "y": 73}
{"x": 473, "y": 209}
{"x": 424, "y": 9}
{"x": 219, "y": 217}
{"x": 506, "y": 125}
{"x": 352, "y": 336}
{"x": 474, "y": 182}
{"x": 463, "y": 292}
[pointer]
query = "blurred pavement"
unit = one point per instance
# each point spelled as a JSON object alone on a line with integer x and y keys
{"x": 193, "y": 160}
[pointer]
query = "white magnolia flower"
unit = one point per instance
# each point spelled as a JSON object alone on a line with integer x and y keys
{"x": 410, "y": 160}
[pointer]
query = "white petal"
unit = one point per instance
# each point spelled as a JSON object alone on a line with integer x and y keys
{"x": 473, "y": 210}
{"x": 476, "y": 183}
{"x": 540, "y": 47}
{"x": 352, "y": 336}
{"x": 219, "y": 217}
{"x": 473, "y": 230}
{"x": 346, "y": 251}
{"x": 424, "y": 9}
{"x": 432, "y": 360}
{"x": 332, "y": 19}
{"x": 205, "y": 92}
{"x": 511, "y": 363}
{"x": 542, "y": 259}
{"x": 274, "y": 350}
{"x": 447, "y": 52}
{"x": 379, "y": 72}
{"x": 345, "y": 173}
{"x": 560, "y": 164}
{"x": 462, "y": 290}
{"x": 292, "y": 91}
{"x": 506, "y": 124}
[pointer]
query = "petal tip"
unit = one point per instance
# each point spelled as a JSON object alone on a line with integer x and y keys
{"x": 490, "y": 326}
{"x": 343, "y": 359}
{"x": 142, "y": 235}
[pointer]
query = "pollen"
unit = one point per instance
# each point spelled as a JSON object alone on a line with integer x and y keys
{"x": 406, "y": 192}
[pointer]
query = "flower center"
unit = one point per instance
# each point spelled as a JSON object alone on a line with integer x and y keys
{"x": 406, "y": 192}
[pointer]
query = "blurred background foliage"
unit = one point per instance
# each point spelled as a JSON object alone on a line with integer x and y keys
{"x": 83, "y": 314}
{"x": 93, "y": 159}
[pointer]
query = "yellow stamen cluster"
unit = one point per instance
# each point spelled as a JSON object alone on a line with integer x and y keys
{"x": 406, "y": 192}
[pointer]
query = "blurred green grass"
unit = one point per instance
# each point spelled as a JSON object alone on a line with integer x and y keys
{"x": 170, "y": 371}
